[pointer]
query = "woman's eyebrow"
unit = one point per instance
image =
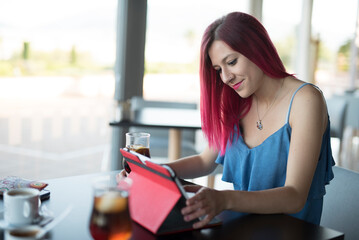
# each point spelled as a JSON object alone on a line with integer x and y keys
{"x": 224, "y": 59}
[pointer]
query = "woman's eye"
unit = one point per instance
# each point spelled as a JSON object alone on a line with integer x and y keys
{"x": 233, "y": 62}
{"x": 218, "y": 70}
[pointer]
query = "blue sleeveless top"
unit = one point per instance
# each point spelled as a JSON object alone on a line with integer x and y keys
{"x": 264, "y": 167}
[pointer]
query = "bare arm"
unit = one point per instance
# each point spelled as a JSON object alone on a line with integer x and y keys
{"x": 308, "y": 121}
{"x": 196, "y": 165}
{"x": 190, "y": 167}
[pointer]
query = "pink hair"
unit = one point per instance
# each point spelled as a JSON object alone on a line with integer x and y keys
{"x": 221, "y": 107}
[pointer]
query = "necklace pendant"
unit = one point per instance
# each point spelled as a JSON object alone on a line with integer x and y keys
{"x": 259, "y": 125}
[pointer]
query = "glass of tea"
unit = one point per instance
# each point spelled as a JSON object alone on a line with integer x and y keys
{"x": 138, "y": 142}
{"x": 110, "y": 217}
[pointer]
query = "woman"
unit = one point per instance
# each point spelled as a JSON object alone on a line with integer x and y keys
{"x": 269, "y": 130}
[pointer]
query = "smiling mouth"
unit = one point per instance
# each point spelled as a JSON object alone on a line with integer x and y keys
{"x": 237, "y": 85}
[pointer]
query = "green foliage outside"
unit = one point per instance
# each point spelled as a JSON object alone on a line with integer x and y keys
{"x": 326, "y": 56}
{"x": 345, "y": 48}
{"x": 285, "y": 49}
{"x": 344, "y": 56}
{"x": 72, "y": 62}
{"x": 55, "y": 63}
{"x": 176, "y": 68}
{"x": 171, "y": 68}
{"x": 26, "y": 51}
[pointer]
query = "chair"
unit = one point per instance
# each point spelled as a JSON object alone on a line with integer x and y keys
{"x": 349, "y": 154}
{"x": 337, "y": 111}
{"x": 350, "y": 150}
{"x": 159, "y": 137}
{"x": 341, "y": 203}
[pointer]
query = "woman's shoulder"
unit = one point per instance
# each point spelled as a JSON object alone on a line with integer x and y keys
{"x": 312, "y": 94}
{"x": 302, "y": 92}
{"x": 308, "y": 102}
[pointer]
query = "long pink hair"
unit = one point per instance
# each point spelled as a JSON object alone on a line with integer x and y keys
{"x": 221, "y": 107}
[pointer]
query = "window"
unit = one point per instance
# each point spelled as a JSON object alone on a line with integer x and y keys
{"x": 334, "y": 29}
{"x": 281, "y": 19}
{"x": 174, "y": 32}
{"x": 57, "y": 83}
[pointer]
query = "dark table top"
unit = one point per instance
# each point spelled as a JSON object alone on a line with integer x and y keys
{"x": 162, "y": 118}
{"x": 76, "y": 191}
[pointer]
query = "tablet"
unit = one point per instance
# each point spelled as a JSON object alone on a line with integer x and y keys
{"x": 157, "y": 196}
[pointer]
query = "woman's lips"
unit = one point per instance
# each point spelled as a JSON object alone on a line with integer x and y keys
{"x": 237, "y": 85}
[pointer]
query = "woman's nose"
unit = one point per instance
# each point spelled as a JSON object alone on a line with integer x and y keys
{"x": 227, "y": 77}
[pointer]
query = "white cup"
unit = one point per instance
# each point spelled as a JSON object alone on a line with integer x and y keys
{"x": 23, "y": 233}
{"x": 21, "y": 206}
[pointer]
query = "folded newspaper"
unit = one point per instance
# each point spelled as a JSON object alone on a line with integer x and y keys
{"x": 13, "y": 182}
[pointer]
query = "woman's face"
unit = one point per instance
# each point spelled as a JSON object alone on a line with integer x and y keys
{"x": 235, "y": 70}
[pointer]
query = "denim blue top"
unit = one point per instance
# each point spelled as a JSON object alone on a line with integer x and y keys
{"x": 264, "y": 167}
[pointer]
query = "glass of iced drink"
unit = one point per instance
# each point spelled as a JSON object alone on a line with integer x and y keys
{"x": 138, "y": 142}
{"x": 110, "y": 217}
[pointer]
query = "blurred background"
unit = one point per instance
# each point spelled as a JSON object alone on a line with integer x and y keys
{"x": 57, "y": 79}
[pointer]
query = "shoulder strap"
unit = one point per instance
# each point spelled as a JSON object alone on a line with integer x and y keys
{"x": 291, "y": 100}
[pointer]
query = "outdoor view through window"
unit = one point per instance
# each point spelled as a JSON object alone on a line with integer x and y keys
{"x": 57, "y": 85}
{"x": 57, "y": 80}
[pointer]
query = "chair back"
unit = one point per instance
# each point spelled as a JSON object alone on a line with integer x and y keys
{"x": 337, "y": 112}
{"x": 352, "y": 116}
{"x": 341, "y": 203}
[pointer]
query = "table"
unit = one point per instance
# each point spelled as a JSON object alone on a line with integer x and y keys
{"x": 76, "y": 191}
{"x": 175, "y": 120}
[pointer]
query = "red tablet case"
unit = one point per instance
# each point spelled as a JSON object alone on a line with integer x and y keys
{"x": 155, "y": 199}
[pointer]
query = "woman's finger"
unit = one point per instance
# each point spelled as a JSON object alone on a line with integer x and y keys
{"x": 121, "y": 175}
{"x": 192, "y": 188}
{"x": 195, "y": 215}
{"x": 199, "y": 196}
{"x": 192, "y": 207}
{"x": 203, "y": 222}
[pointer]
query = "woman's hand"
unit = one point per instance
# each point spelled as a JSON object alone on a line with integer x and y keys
{"x": 205, "y": 204}
{"x": 121, "y": 175}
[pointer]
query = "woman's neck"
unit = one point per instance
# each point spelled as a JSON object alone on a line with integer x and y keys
{"x": 268, "y": 91}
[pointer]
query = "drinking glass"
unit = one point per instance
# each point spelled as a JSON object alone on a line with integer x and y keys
{"x": 138, "y": 142}
{"x": 110, "y": 217}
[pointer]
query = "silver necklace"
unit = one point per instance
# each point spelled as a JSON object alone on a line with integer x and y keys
{"x": 259, "y": 122}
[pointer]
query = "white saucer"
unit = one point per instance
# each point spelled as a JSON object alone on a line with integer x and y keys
{"x": 45, "y": 216}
